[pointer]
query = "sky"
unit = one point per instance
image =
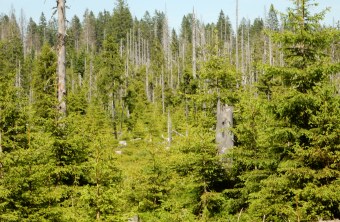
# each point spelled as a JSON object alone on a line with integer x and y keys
{"x": 206, "y": 10}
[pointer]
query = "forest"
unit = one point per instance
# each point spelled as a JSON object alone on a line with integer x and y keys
{"x": 113, "y": 118}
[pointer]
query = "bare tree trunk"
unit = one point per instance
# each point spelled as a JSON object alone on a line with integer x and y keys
{"x": 147, "y": 83}
{"x": 281, "y": 56}
{"x": 178, "y": 72}
{"x": 249, "y": 68}
{"x": 23, "y": 29}
{"x": 163, "y": 95}
{"x": 224, "y": 136}
{"x": 91, "y": 79}
{"x": 264, "y": 57}
{"x": 236, "y": 33}
{"x": 127, "y": 55}
{"x": 61, "y": 57}
{"x": 18, "y": 76}
{"x": 242, "y": 57}
{"x": 147, "y": 86}
{"x": 171, "y": 75}
{"x": 193, "y": 44}
{"x": 121, "y": 48}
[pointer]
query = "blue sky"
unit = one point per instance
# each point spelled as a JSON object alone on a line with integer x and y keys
{"x": 206, "y": 10}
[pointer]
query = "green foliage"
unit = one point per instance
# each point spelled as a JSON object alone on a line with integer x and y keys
{"x": 44, "y": 84}
{"x": 121, "y": 20}
{"x": 139, "y": 135}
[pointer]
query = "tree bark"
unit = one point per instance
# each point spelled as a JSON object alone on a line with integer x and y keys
{"x": 193, "y": 45}
{"x": 61, "y": 57}
{"x": 236, "y": 34}
{"x": 224, "y": 136}
{"x": 163, "y": 94}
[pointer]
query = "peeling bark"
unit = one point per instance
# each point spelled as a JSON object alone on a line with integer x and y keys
{"x": 61, "y": 70}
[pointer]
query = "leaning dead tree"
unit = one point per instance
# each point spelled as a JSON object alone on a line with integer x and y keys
{"x": 61, "y": 70}
{"x": 224, "y": 136}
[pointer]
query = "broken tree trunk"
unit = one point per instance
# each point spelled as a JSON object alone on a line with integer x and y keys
{"x": 224, "y": 136}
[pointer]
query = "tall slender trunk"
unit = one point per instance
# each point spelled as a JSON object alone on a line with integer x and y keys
{"x": 147, "y": 82}
{"x": 61, "y": 57}
{"x": 242, "y": 57}
{"x": 91, "y": 79}
{"x": 236, "y": 32}
{"x": 18, "y": 76}
{"x": 193, "y": 44}
{"x": 163, "y": 94}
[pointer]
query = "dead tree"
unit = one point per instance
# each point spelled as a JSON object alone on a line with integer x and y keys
{"x": 61, "y": 57}
{"x": 193, "y": 44}
{"x": 236, "y": 34}
{"x": 224, "y": 136}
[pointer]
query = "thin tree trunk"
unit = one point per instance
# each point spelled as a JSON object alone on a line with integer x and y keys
{"x": 91, "y": 79}
{"x": 61, "y": 57}
{"x": 242, "y": 57}
{"x": 163, "y": 95}
{"x": 18, "y": 76}
{"x": 147, "y": 83}
{"x": 249, "y": 68}
{"x": 264, "y": 57}
{"x": 236, "y": 32}
{"x": 193, "y": 44}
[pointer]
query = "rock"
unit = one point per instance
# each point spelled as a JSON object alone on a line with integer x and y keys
{"x": 135, "y": 219}
{"x": 122, "y": 143}
{"x": 119, "y": 152}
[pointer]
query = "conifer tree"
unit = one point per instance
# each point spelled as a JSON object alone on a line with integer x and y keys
{"x": 303, "y": 147}
{"x": 121, "y": 20}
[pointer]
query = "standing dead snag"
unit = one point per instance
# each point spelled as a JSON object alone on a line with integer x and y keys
{"x": 224, "y": 136}
{"x": 193, "y": 44}
{"x": 61, "y": 70}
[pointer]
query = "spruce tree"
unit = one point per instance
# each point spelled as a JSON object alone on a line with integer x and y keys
{"x": 303, "y": 130}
